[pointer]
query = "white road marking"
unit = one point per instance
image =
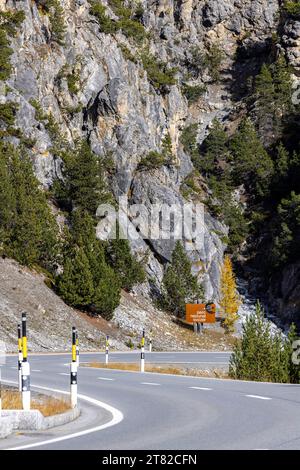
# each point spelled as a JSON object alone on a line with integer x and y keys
{"x": 104, "y": 378}
{"x": 13, "y": 367}
{"x": 259, "y": 397}
{"x": 35, "y": 370}
{"x": 63, "y": 373}
{"x": 149, "y": 383}
{"x": 116, "y": 419}
{"x": 201, "y": 388}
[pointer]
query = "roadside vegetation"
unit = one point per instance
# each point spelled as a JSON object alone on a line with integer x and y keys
{"x": 47, "y": 405}
{"x": 262, "y": 355}
{"x": 180, "y": 286}
{"x": 164, "y": 369}
{"x": 229, "y": 297}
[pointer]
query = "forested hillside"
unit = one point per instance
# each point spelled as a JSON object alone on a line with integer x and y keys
{"x": 164, "y": 102}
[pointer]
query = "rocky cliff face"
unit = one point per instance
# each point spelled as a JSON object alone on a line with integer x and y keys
{"x": 116, "y": 106}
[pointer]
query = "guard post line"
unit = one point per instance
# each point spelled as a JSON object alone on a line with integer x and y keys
{"x": 143, "y": 352}
{"x": 2, "y": 361}
{"x": 25, "y": 368}
{"x": 20, "y": 356}
{"x": 77, "y": 348}
{"x": 150, "y": 344}
{"x": 73, "y": 370}
{"x": 106, "y": 349}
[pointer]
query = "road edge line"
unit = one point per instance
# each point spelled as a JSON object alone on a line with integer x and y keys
{"x": 117, "y": 417}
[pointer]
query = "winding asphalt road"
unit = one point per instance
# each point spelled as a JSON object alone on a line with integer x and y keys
{"x": 156, "y": 411}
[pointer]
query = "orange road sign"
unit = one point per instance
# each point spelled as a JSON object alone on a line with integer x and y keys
{"x": 200, "y": 313}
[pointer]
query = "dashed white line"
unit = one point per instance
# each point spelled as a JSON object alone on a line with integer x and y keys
{"x": 63, "y": 373}
{"x": 201, "y": 388}
{"x": 104, "y": 378}
{"x": 35, "y": 370}
{"x": 149, "y": 383}
{"x": 13, "y": 367}
{"x": 259, "y": 397}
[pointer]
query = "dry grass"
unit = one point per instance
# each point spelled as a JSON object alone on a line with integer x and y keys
{"x": 48, "y": 406}
{"x": 166, "y": 369}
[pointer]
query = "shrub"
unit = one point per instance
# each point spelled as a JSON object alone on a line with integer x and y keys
{"x": 5, "y": 53}
{"x": 189, "y": 186}
{"x": 151, "y": 161}
{"x": 8, "y": 113}
{"x": 106, "y": 24}
{"x": 188, "y": 139}
{"x": 127, "y": 23}
{"x": 193, "y": 92}
{"x": 127, "y": 54}
{"x": 57, "y": 22}
{"x": 72, "y": 80}
{"x": 160, "y": 76}
{"x": 132, "y": 29}
{"x": 10, "y": 21}
{"x": 213, "y": 60}
{"x": 292, "y": 8}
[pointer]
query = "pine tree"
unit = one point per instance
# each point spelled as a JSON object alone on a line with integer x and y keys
{"x": 286, "y": 228}
{"x": 265, "y": 96}
{"x": 282, "y": 86}
{"x": 273, "y": 93}
{"x": 282, "y": 161}
{"x": 292, "y": 370}
{"x": 7, "y": 202}
{"x": 102, "y": 293}
{"x": 84, "y": 184}
{"x": 107, "y": 293}
{"x": 75, "y": 285}
{"x": 252, "y": 164}
{"x": 179, "y": 284}
{"x": 262, "y": 355}
{"x": 27, "y": 224}
{"x": 229, "y": 301}
{"x": 129, "y": 270}
{"x": 252, "y": 356}
{"x": 216, "y": 149}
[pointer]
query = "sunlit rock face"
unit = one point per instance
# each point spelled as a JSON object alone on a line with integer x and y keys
{"x": 119, "y": 110}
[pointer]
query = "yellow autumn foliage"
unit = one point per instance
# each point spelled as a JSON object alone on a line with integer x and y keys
{"x": 230, "y": 300}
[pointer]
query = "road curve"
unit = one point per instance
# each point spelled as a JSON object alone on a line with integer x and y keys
{"x": 167, "y": 412}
